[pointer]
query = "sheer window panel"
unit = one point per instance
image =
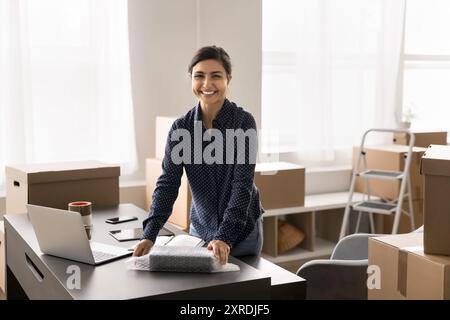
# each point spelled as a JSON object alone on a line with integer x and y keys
{"x": 427, "y": 64}
{"x": 62, "y": 23}
{"x": 66, "y": 66}
{"x": 282, "y": 116}
{"x": 81, "y": 83}
{"x": 426, "y": 88}
{"x": 427, "y": 27}
{"x": 352, "y": 113}
{"x": 343, "y": 58}
{"x": 280, "y": 20}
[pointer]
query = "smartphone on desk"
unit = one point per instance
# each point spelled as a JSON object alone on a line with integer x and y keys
{"x": 120, "y": 219}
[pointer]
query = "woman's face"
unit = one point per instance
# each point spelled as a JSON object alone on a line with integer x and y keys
{"x": 209, "y": 82}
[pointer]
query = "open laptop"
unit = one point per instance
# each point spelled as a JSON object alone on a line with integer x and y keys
{"x": 61, "y": 233}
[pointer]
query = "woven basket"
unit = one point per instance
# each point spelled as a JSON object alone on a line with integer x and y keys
{"x": 288, "y": 236}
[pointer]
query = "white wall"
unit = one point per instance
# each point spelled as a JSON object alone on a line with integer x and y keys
{"x": 162, "y": 38}
{"x": 236, "y": 25}
{"x": 2, "y": 205}
{"x": 164, "y": 34}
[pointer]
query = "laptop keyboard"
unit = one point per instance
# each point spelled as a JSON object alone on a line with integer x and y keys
{"x": 100, "y": 256}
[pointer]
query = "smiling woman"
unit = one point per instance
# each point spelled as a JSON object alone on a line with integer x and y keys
{"x": 209, "y": 84}
{"x": 226, "y": 211}
{"x": 210, "y": 70}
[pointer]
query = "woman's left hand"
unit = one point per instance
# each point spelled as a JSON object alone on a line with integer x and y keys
{"x": 221, "y": 250}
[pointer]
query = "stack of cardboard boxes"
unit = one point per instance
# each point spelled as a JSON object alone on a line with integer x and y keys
{"x": 404, "y": 271}
{"x": 181, "y": 207}
{"x": 436, "y": 170}
{"x": 56, "y": 184}
{"x": 391, "y": 157}
{"x": 281, "y": 185}
{"x": 153, "y": 169}
{"x": 417, "y": 265}
{"x": 422, "y": 138}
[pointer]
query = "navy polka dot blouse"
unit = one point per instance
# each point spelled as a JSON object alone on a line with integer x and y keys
{"x": 225, "y": 201}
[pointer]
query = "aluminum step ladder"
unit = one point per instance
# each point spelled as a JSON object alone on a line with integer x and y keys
{"x": 381, "y": 206}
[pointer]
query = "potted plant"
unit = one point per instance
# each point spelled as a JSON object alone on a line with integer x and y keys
{"x": 408, "y": 116}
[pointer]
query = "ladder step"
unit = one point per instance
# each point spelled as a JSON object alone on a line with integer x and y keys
{"x": 382, "y": 174}
{"x": 375, "y": 207}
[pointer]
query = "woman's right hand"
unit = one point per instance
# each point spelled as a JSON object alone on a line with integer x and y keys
{"x": 142, "y": 248}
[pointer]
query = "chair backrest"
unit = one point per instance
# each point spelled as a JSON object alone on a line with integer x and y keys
{"x": 344, "y": 276}
{"x": 335, "y": 279}
{"x": 352, "y": 247}
{"x": 355, "y": 246}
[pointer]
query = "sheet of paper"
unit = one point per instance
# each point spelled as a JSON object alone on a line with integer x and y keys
{"x": 160, "y": 241}
{"x": 185, "y": 240}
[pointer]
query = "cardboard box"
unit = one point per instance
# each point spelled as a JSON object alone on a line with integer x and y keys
{"x": 436, "y": 169}
{"x": 57, "y": 184}
{"x": 162, "y": 128}
{"x": 422, "y": 138}
{"x": 405, "y": 224}
{"x": 390, "y": 157}
{"x": 281, "y": 184}
{"x": 182, "y": 206}
{"x": 406, "y": 272}
{"x": 2, "y": 257}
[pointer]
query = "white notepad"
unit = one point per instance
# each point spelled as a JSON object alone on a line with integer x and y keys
{"x": 181, "y": 240}
{"x": 185, "y": 240}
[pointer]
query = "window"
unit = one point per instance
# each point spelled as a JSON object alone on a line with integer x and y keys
{"x": 333, "y": 69}
{"x": 330, "y": 70}
{"x": 426, "y": 64}
{"x": 63, "y": 23}
{"x": 65, "y": 84}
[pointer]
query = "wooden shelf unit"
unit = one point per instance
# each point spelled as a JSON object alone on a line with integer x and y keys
{"x": 318, "y": 243}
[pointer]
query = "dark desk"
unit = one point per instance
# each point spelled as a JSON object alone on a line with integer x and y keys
{"x": 31, "y": 274}
{"x": 284, "y": 285}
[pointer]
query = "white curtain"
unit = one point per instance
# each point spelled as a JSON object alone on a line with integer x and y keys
{"x": 65, "y": 87}
{"x": 330, "y": 71}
